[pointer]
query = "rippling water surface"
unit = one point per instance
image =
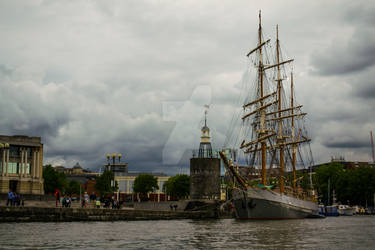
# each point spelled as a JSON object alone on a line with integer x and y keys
{"x": 357, "y": 232}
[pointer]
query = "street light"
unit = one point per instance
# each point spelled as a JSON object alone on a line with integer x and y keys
{"x": 115, "y": 168}
{"x": 2, "y": 149}
{"x": 114, "y": 158}
{"x": 108, "y": 157}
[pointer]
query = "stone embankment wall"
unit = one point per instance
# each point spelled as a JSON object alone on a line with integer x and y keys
{"x": 34, "y": 214}
{"x": 161, "y": 206}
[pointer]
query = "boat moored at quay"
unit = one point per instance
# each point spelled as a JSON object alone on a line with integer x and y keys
{"x": 273, "y": 142}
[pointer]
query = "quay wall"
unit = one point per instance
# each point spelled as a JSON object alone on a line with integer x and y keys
{"x": 161, "y": 206}
{"x": 50, "y": 214}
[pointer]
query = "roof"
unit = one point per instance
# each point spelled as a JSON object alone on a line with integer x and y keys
{"x": 205, "y": 128}
{"x": 77, "y": 166}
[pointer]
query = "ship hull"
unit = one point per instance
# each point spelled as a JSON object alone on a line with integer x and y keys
{"x": 263, "y": 204}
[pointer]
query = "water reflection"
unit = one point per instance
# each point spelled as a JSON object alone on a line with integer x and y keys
{"x": 330, "y": 233}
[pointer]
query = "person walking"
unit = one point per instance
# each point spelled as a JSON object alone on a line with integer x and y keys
{"x": 57, "y": 195}
{"x": 16, "y": 199}
{"x": 97, "y": 203}
{"x": 10, "y": 198}
{"x": 86, "y": 196}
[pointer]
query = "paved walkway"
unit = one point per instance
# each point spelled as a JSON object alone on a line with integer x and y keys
{"x": 75, "y": 204}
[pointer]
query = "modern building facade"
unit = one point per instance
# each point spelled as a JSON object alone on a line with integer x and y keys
{"x": 21, "y": 165}
{"x": 126, "y": 182}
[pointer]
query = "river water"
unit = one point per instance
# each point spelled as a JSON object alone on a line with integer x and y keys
{"x": 356, "y": 232}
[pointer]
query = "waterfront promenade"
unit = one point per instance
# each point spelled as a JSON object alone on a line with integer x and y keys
{"x": 44, "y": 211}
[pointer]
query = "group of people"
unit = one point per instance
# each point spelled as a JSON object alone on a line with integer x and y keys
{"x": 173, "y": 207}
{"x": 85, "y": 201}
{"x": 108, "y": 202}
{"x": 14, "y": 199}
{"x": 65, "y": 202}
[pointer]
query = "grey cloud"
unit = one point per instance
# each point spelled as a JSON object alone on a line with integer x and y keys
{"x": 367, "y": 90}
{"x": 357, "y": 55}
{"x": 362, "y": 14}
{"x": 91, "y": 78}
{"x": 353, "y": 53}
{"x": 363, "y": 86}
{"x": 346, "y": 144}
{"x": 5, "y": 71}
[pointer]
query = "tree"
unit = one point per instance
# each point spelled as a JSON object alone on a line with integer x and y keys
{"x": 330, "y": 173}
{"x": 73, "y": 187}
{"x": 53, "y": 180}
{"x": 103, "y": 183}
{"x": 178, "y": 185}
{"x": 145, "y": 183}
{"x": 357, "y": 186}
{"x": 353, "y": 186}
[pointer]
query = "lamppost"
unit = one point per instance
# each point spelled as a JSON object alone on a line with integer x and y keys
{"x": 108, "y": 164}
{"x": 118, "y": 190}
{"x": 2, "y": 163}
{"x": 115, "y": 168}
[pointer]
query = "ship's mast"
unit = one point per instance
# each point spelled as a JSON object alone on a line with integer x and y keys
{"x": 262, "y": 113}
{"x": 294, "y": 146}
{"x": 280, "y": 137}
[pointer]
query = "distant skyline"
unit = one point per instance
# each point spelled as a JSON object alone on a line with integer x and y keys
{"x": 132, "y": 77}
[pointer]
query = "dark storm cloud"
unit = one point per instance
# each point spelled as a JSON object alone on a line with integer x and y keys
{"x": 356, "y": 55}
{"x": 364, "y": 86}
{"x": 367, "y": 91}
{"x": 346, "y": 144}
{"x": 353, "y": 53}
{"x": 91, "y": 77}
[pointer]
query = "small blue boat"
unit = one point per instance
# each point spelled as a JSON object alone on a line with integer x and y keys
{"x": 328, "y": 210}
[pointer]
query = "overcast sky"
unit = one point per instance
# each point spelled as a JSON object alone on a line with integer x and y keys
{"x": 132, "y": 77}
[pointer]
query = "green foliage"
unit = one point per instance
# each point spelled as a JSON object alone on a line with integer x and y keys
{"x": 73, "y": 187}
{"x": 53, "y": 180}
{"x": 103, "y": 183}
{"x": 351, "y": 186}
{"x": 178, "y": 186}
{"x": 255, "y": 182}
{"x": 330, "y": 173}
{"x": 145, "y": 183}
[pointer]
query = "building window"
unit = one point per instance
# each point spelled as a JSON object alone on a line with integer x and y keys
{"x": 161, "y": 185}
{"x": 122, "y": 186}
{"x": 28, "y": 170}
{"x": 29, "y": 153}
{"x": 14, "y": 151}
{"x": 12, "y": 168}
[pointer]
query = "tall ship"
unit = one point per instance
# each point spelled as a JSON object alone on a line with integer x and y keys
{"x": 273, "y": 142}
